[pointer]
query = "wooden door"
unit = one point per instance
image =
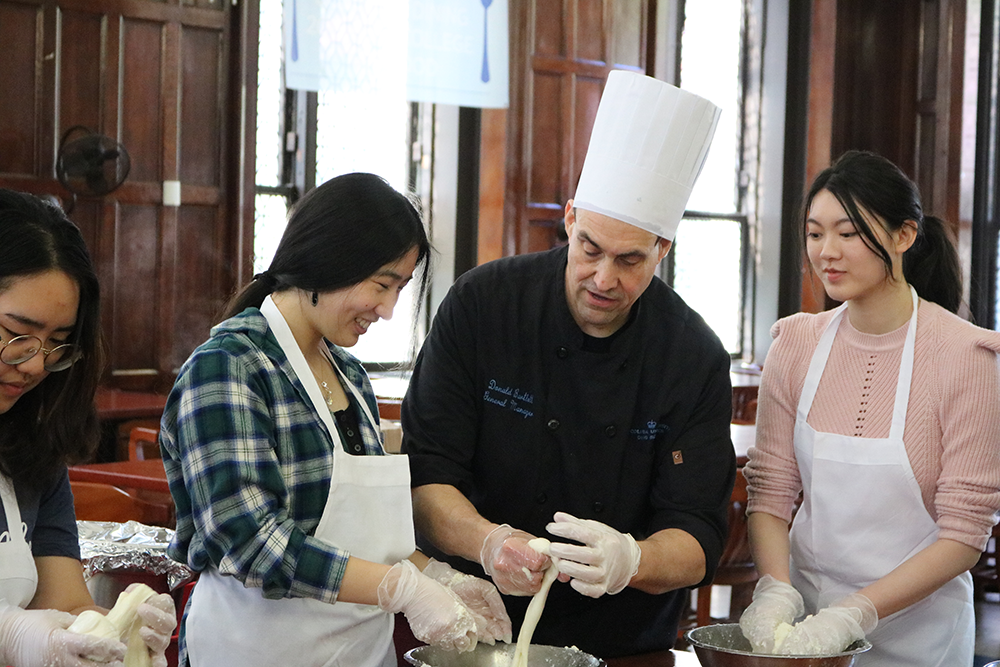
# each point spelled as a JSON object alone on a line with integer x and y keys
{"x": 159, "y": 77}
{"x": 561, "y": 54}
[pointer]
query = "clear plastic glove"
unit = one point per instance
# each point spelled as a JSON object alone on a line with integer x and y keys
{"x": 515, "y": 568}
{"x": 159, "y": 618}
{"x": 38, "y": 638}
{"x": 774, "y": 603}
{"x": 435, "y": 613}
{"x": 480, "y": 596}
{"x": 605, "y": 563}
{"x": 832, "y": 629}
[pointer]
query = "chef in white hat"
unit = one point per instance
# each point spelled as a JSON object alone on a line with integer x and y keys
{"x": 572, "y": 395}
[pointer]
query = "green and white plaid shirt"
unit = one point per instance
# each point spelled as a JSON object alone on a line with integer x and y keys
{"x": 249, "y": 463}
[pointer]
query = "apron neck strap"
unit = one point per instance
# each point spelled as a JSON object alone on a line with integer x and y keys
{"x": 822, "y": 353}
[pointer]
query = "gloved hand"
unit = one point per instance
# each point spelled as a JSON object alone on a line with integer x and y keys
{"x": 774, "y": 603}
{"x": 435, "y": 613}
{"x": 832, "y": 629}
{"x": 515, "y": 568}
{"x": 481, "y": 598}
{"x": 159, "y": 618}
{"x": 605, "y": 563}
{"x": 38, "y": 638}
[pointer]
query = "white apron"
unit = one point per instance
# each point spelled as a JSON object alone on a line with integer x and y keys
{"x": 367, "y": 512}
{"x": 18, "y": 576}
{"x": 861, "y": 517}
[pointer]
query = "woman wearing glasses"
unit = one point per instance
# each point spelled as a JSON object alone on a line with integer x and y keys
{"x": 50, "y": 354}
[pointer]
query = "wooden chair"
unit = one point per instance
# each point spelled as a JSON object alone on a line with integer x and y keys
{"x": 736, "y": 568}
{"x": 142, "y": 443}
{"x": 103, "y": 502}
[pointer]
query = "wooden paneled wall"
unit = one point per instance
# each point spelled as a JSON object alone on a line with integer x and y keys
{"x": 561, "y": 54}
{"x": 159, "y": 77}
{"x": 886, "y": 76}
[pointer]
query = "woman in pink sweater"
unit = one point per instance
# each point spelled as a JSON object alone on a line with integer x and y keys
{"x": 885, "y": 414}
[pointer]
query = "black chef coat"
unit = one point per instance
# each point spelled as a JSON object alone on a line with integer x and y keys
{"x": 508, "y": 406}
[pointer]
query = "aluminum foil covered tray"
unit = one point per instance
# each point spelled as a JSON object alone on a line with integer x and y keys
{"x": 107, "y": 547}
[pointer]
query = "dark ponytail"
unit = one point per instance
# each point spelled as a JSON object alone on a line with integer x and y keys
{"x": 931, "y": 265}
{"x": 864, "y": 180}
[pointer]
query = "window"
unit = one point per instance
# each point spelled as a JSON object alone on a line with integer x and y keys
{"x": 708, "y": 258}
{"x": 363, "y": 125}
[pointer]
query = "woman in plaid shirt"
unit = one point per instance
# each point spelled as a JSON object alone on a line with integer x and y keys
{"x": 300, "y": 525}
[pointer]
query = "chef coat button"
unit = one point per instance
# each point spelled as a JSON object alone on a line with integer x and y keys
{"x": 357, "y": 448}
{"x": 553, "y": 424}
{"x": 598, "y": 507}
{"x": 350, "y": 433}
{"x": 541, "y": 498}
{"x": 562, "y": 352}
{"x": 610, "y": 431}
{"x": 624, "y": 365}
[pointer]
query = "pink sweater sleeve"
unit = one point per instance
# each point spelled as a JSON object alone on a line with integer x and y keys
{"x": 772, "y": 472}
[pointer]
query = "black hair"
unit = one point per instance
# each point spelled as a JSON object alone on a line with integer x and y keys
{"x": 865, "y": 180}
{"x": 55, "y": 424}
{"x": 338, "y": 235}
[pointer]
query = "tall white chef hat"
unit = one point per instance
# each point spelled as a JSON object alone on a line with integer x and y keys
{"x": 649, "y": 142}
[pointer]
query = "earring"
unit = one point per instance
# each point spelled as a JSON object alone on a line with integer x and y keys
{"x": 315, "y": 298}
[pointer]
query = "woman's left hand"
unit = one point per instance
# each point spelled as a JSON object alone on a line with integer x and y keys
{"x": 832, "y": 629}
{"x": 159, "y": 618}
{"x": 480, "y": 596}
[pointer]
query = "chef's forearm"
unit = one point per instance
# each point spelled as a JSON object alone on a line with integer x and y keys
{"x": 445, "y": 516}
{"x": 671, "y": 559}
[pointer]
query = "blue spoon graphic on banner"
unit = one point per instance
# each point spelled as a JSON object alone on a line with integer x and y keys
{"x": 486, "y": 65}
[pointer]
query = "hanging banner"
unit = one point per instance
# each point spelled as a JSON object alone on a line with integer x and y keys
{"x": 345, "y": 46}
{"x": 447, "y": 51}
{"x": 458, "y": 53}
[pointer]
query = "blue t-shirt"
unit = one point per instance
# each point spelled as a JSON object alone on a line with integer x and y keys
{"x": 50, "y": 518}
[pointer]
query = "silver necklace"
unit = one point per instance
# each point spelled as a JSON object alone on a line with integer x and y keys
{"x": 329, "y": 394}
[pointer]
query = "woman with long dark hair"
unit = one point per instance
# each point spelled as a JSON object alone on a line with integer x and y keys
{"x": 50, "y": 362}
{"x": 287, "y": 505}
{"x": 885, "y": 414}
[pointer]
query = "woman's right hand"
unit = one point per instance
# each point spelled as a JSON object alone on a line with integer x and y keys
{"x": 774, "y": 603}
{"x": 38, "y": 638}
{"x": 435, "y": 613}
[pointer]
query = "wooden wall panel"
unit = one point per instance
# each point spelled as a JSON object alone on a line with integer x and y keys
{"x": 587, "y": 97}
{"x": 143, "y": 97}
{"x": 589, "y": 40}
{"x": 549, "y": 26}
{"x": 561, "y": 54}
{"x": 20, "y": 30}
{"x": 132, "y": 340}
{"x": 197, "y": 292}
{"x": 81, "y": 65}
{"x": 201, "y": 112}
{"x": 545, "y": 139}
{"x": 876, "y": 88}
{"x": 166, "y": 78}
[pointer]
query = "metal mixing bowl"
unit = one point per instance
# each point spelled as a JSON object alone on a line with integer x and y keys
{"x": 724, "y": 645}
{"x": 500, "y": 655}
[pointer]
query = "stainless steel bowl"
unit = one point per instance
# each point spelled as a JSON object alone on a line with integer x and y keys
{"x": 724, "y": 645}
{"x": 500, "y": 655}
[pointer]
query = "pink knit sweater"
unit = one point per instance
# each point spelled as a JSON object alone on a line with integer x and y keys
{"x": 952, "y": 433}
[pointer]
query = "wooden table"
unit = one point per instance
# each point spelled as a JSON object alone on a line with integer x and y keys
{"x": 119, "y": 405}
{"x": 115, "y": 408}
{"x": 148, "y": 474}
